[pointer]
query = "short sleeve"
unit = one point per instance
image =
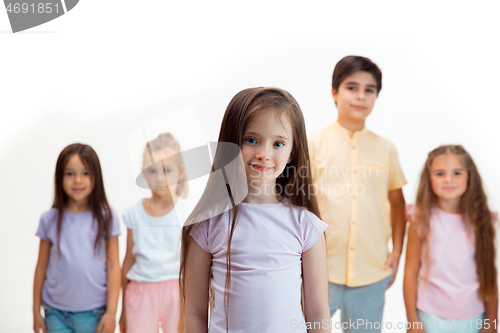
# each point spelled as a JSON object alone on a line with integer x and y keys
{"x": 115, "y": 224}
{"x": 410, "y": 212}
{"x": 42, "y": 231}
{"x": 312, "y": 228}
{"x": 494, "y": 218}
{"x": 127, "y": 220}
{"x": 396, "y": 177}
{"x": 199, "y": 232}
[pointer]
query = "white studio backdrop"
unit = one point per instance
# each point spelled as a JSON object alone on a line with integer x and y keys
{"x": 96, "y": 74}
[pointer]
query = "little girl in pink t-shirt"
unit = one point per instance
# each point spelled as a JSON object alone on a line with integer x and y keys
{"x": 261, "y": 263}
{"x": 450, "y": 281}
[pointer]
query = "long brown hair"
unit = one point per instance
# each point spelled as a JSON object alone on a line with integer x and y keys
{"x": 474, "y": 207}
{"x": 97, "y": 198}
{"x": 242, "y": 109}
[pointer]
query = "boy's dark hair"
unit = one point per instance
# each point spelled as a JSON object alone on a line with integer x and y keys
{"x": 352, "y": 64}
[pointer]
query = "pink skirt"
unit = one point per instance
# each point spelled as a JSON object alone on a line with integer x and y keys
{"x": 149, "y": 305}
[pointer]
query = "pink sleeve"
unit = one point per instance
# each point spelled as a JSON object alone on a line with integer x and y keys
{"x": 410, "y": 212}
{"x": 199, "y": 232}
{"x": 312, "y": 229}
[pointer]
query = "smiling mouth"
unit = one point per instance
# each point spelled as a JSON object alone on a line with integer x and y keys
{"x": 260, "y": 167}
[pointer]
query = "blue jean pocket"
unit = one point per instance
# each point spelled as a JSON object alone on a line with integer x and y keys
{"x": 46, "y": 309}
{"x": 99, "y": 312}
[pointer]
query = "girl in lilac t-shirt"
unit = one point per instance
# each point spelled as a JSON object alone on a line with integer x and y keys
{"x": 450, "y": 281}
{"x": 77, "y": 277}
{"x": 260, "y": 264}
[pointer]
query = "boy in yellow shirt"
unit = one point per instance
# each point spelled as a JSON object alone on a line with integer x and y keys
{"x": 356, "y": 174}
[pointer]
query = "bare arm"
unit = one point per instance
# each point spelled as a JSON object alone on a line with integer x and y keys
{"x": 412, "y": 267}
{"x": 398, "y": 226}
{"x": 108, "y": 321}
{"x": 40, "y": 276}
{"x": 315, "y": 276}
{"x": 128, "y": 262}
{"x": 491, "y": 308}
{"x": 197, "y": 280}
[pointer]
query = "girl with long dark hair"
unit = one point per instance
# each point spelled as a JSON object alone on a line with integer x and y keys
{"x": 261, "y": 264}
{"x": 77, "y": 277}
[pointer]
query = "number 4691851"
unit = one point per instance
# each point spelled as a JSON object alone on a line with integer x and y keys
{"x": 40, "y": 8}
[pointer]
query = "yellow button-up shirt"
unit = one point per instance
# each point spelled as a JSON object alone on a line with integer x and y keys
{"x": 352, "y": 175}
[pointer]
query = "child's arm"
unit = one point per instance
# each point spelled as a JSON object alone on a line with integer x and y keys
{"x": 128, "y": 262}
{"x": 398, "y": 226}
{"x": 197, "y": 280}
{"x": 491, "y": 308}
{"x": 40, "y": 275}
{"x": 412, "y": 268}
{"x": 108, "y": 320}
{"x": 315, "y": 279}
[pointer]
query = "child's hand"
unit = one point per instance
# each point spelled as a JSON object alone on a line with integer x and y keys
{"x": 123, "y": 323}
{"x": 392, "y": 262}
{"x": 39, "y": 323}
{"x": 107, "y": 323}
{"x": 416, "y": 328}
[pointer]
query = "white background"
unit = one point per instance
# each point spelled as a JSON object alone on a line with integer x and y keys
{"x": 98, "y": 72}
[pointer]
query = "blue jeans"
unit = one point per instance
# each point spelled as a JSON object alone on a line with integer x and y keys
{"x": 435, "y": 324}
{"x": 361, "y": 308}
{"x": 59, "y": 321}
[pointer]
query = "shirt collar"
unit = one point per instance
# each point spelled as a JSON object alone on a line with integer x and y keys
{"x": 346, "y": 132}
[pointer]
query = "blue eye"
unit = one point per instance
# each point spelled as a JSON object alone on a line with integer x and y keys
{"x": 167, "y": 171}
{"x": 69, "y": 173}
{"x": 151, "y": 171}
{"x": 370, "y": 90}
{"x": 351, "y": 88}
{"x": 251, "y": 140}
{"x": 279, "y": 144}
{"x": 439, "y": 174}
{"x": 86, "y": 173}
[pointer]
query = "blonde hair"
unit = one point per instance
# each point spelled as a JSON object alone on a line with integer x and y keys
{"x": 167, "y": 140}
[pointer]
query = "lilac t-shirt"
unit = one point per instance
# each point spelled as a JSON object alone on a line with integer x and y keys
{"x": 448, "y": 285}
{"x": 76, "y": 280}
{"x": 266, "y": 259}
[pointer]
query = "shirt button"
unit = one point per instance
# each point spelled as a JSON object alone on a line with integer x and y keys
{"x": 352, "y": 249}
{"x": 353, "y": 222}
{"x": 353, "y": 147}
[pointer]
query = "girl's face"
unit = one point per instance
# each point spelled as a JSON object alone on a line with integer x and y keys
{"x": 448, "y": 177}
{"x": 77, "y": 180}
{"x": 356, "y": 96}
{"x": 160, "y": 175}
{"x": 266, "y": 147}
